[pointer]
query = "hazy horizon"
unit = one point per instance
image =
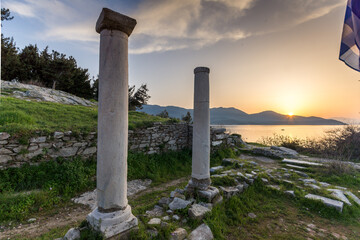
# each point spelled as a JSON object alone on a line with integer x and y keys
{"x": 277, "y": 55}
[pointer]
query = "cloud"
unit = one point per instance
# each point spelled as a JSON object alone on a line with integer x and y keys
{"x": 171, "y": 24}
{"x": 165, "y": 25}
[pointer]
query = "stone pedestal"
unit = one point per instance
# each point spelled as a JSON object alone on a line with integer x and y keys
{"x": 113, "y": 214}
{"x": 201, "y": 132}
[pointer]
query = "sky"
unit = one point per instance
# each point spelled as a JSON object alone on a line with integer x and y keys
{"x": 279, "y": 55}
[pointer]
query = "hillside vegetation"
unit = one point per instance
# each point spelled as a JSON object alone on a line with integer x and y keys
{"x": 24, "y": 117}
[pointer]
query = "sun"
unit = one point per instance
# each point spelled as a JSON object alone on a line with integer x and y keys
{"x": 291, "y": 114}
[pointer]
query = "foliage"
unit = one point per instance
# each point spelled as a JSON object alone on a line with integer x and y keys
{"x": 163, "y": 114}
{"x": 187, "y": 118}
{"x": 138, "y": 98}
{"x": 23, "y": 117}
{"x": 340, "y": 143}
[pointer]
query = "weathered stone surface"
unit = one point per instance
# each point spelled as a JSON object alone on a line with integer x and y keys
{"x": 228, "y": 192}
{"x": 301, "y": 173}
{"x": 156, "y": 212}
{"x": 338, "y": 205}
{"x": 290, "y": 193}
{"x": 251, "y": 215}
{"x": 112, "y": 20}
{"x": 197, "y": 211}
{"x": 38, "y": 139}
{"x": 276, "y": 187}
{"x": 164, "y": 201}
{"x": 89, "y": 151}
{"x": 176, "y": 217}
{"x": 202, "y": 232}
{"x": 178, "y": 234}
{"x": 214, "y": 169}
{"x": 324, "y": 184}
{"x": 353, "y": 197}
{"x": 5, "y": 158}
{"x": 4, "y": 135}
{"x": 58, "y": 134}
{"x": 339, "y": 194}
{"x": 72, "y": 234}
{"x": 154, "y": 221}
{"x": 286, "y": 151}
{"x": 67, "y": 151}
{"x": 179, "y": 203}
{"x": 301, "y": 162}
{"x": 295, "y": 166}
{"x": 4, "y": 151}
{"x": 209, "y": 194}
{"x": 33, "y": 148}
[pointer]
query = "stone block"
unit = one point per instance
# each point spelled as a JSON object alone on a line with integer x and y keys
{"x": 202, "y": 232}
{"x": 38, "y": 139}
{"x": 4, "y": 136}
{"x": 5, "y": 158}
{"x": 154, "y": 221}
{"x": 198, "y": 211}
{"x": 58, "y": 134}
{"x": 178, "y": 203}
{"x": 209, "y": 194}
{"x": 178, "y": 234}
{"x": 337, "y": 193}
{"x": 338, "y": 205}
{"x": 67, "y": 151}
{"x": 89, "y": 151}
{"x": 72, "y": 234}
{"x": 5, "y": 151}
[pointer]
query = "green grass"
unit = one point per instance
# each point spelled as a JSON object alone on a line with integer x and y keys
{"x": 23, "y": 117}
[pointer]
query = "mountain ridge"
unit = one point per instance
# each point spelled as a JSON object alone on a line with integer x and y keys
{"x": 234, "y": 116}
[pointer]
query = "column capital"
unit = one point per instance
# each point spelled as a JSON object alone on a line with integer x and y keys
{"x": 112, "y": 20}
{"x": 201, "y": 69}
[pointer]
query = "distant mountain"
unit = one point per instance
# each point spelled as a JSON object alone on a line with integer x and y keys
{"x": 233, "y": 116}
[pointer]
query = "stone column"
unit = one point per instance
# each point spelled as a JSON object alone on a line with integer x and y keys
{"x": 113, "y": 214}
{"x": 201, "y": 131}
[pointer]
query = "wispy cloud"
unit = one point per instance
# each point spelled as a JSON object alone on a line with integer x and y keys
{"x": 165, "y": 25}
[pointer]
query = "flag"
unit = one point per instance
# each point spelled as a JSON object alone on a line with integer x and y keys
{"x": 350, "y": 41}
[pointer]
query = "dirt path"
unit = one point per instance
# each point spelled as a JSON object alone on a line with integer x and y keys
{"x": 70, "y": 216}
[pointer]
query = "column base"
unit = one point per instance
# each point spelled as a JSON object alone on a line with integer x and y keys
{"x": 198, "y": 184}
{"x": 112, "y": 223}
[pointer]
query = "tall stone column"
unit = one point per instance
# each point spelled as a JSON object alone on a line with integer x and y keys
{"x": 113, "y": 214}
{"x": 201, "y": 131}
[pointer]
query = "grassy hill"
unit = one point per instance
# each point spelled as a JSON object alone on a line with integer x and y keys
{"x": 24, "y": 116}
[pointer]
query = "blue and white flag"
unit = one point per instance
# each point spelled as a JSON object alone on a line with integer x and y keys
{"x": 350, "y": 42}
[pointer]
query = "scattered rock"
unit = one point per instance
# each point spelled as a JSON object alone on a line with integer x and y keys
{"x": 251, "y": 215}
{"x": 4, "y": 136}
{"x": 176, "y": 217}
{"x": 301, "y": 162}
{"x": 72, "y": 234}
{"x": 324, "y": 184}
{"x": 202, "y": 232}
{"x": 286, "y": 152}
{"x": 209, "y": 194}
{"x": 58, "y": 134}
{"x": 214, "y": 169}
{"x": 166, "y": 218}
{"x": 294, "y": 166}
{"x": 156, "y": 212}
{"x": 339, "y": 195}
{"x": 31, "y": 220}
{"x": 178, "y": 234}
{"x": 164, "y": 201}
{"x": 353, "y": 197}
{"x": 276, "y": 187}
{"x": 290, "y": 193}
{"x": 228, "y": 192}
{"x": 89, "y": 151}
{"x": 38, "y": 140}
{"x": 197, "y": 211}
{"x": 178, "y": 203}
{"x": 154, "y": 221}
{"x": 327, "y": 201}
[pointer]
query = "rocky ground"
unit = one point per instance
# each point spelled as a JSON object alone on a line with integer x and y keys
{"x": 289, "y": 176}
{"x": 32, "y": 92}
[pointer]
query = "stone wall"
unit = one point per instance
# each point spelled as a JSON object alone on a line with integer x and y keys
{"x": 155, "y": 139}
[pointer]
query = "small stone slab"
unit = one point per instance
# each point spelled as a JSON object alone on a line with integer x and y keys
{"x": 178, "y": 234}
{"x": 276, "y": 187}
{"x": 229, "y": 191}
{"x": 154, "y": 221}
{"x": 309, "y": 180}
{"x": 72, "y": 234}
{"x": 337, "y": 193}
{"x": 338, "y": 205}
{"x": 301, "y": 162}
{"x": 164, "y": 201}
{"x": 156, "y": 212}
{"x": 294, "y": 166}
{"x": 214, "y": 169}
{"x": 178, "y": 203}
{"x": 209, "y": 194}
{"x": 202, "y": 232}
{"x": 353, "y": 197}
{"x": 313, "y": 186}
{"x": 324, "y": 184}
{"x": 198, "y": 211}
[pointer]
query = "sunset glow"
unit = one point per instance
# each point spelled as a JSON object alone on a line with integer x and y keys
{"x": 291, "y": 114}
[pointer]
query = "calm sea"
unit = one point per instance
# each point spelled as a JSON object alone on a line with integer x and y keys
{"x": 253, "y": 133}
